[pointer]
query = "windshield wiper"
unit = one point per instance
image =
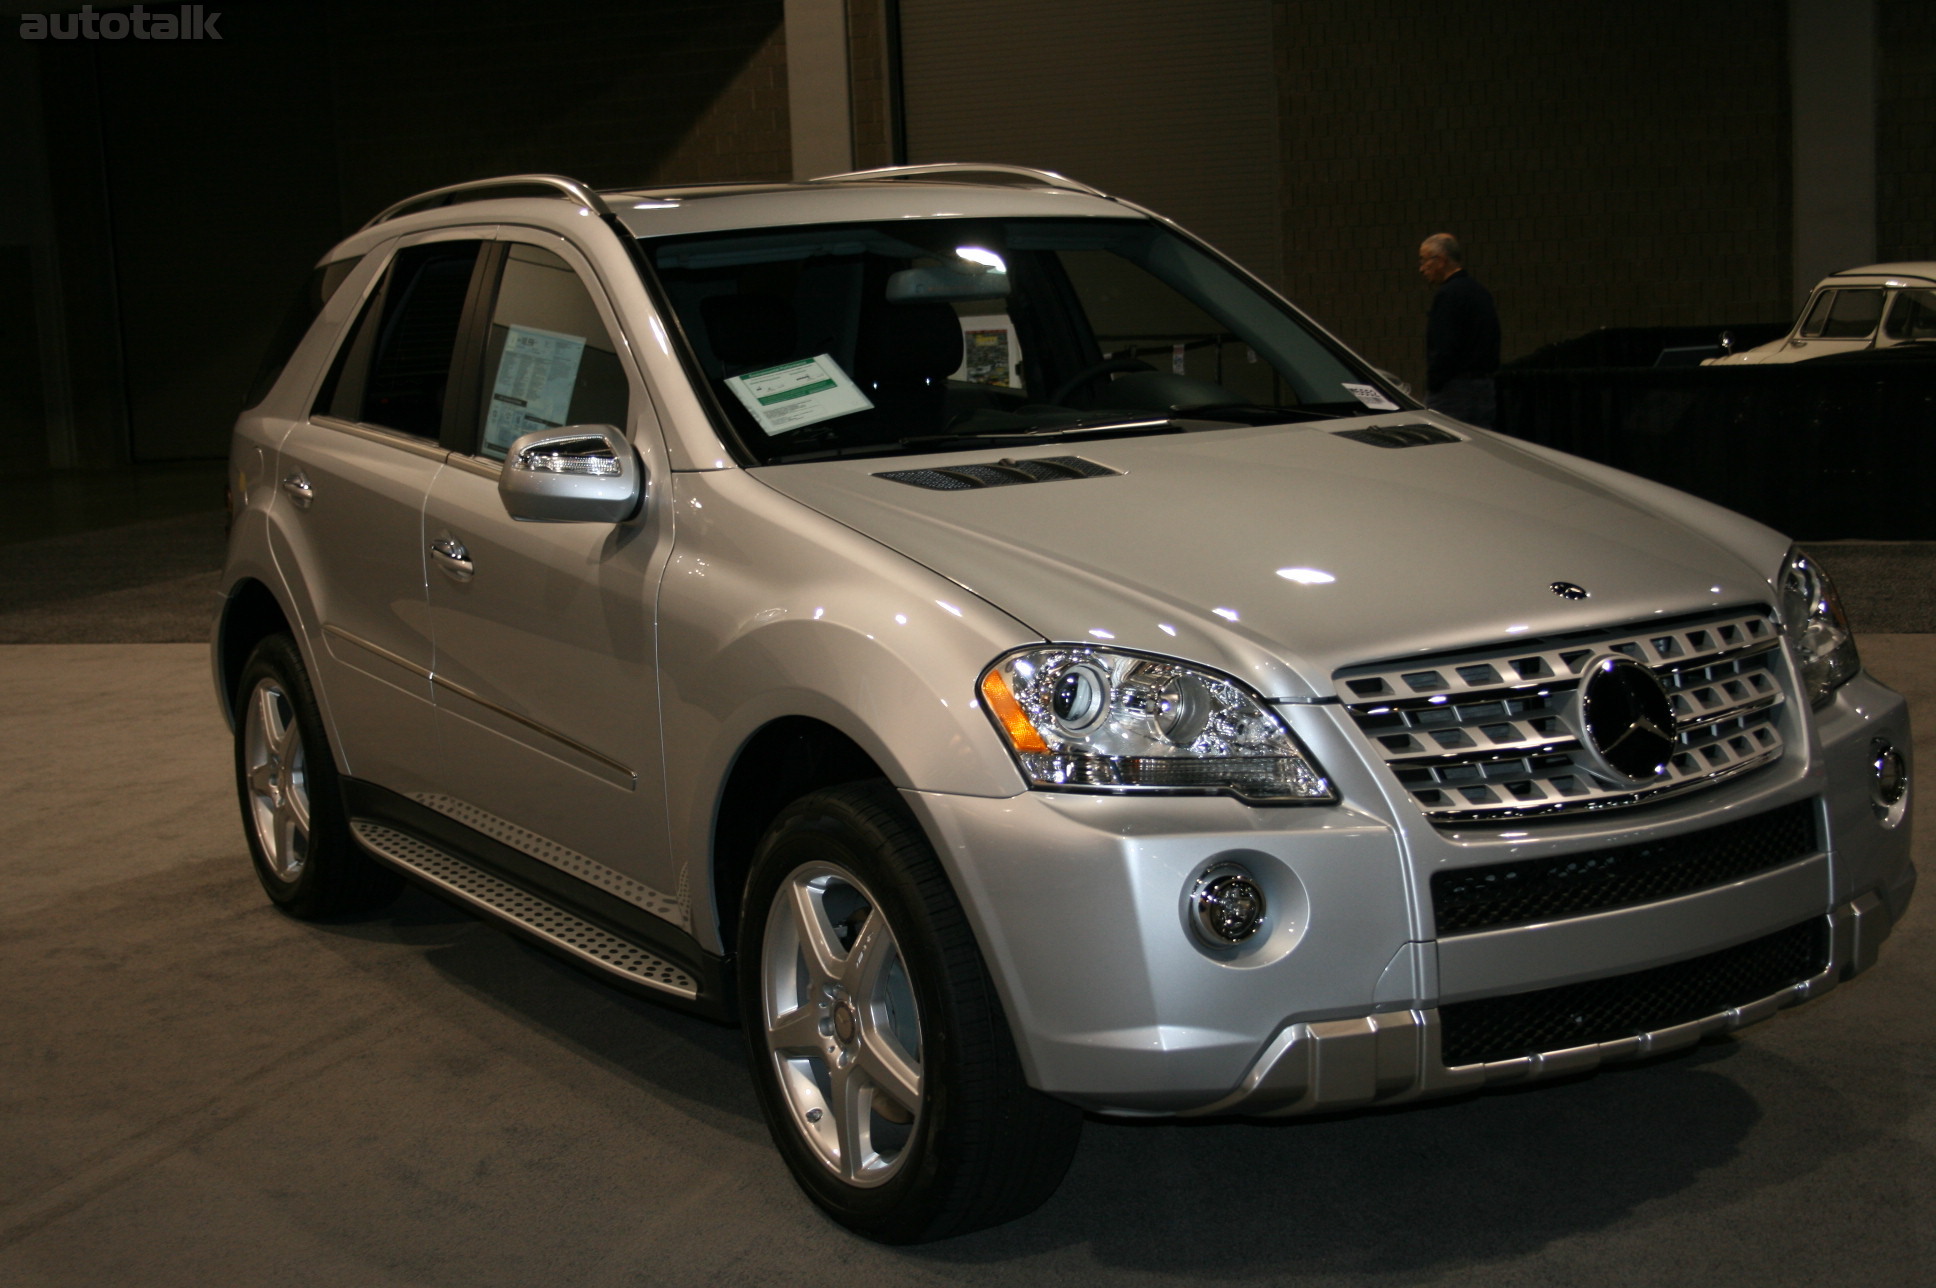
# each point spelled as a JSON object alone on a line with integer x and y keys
{"x": 1266, "y": 414}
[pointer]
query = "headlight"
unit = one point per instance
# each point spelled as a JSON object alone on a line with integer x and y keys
{"x": 1816, "y": 627}
{"x": 1089, "y": 718}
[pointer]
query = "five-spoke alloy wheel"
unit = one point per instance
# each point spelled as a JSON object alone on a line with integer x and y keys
{"x": 275, "y": 778}
{"x": 880, "y": 1052}
{"x": 292, "y": 806}
{"x": 842, "y": 1024}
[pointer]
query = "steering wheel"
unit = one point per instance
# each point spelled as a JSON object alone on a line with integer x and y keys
{"x": 1108, "y": 365}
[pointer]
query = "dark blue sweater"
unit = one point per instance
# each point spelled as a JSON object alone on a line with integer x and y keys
{"x": 1461, "y": 334}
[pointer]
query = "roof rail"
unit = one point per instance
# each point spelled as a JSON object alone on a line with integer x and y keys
{"x": 479, "y": 189}
{"x": 1004, "y": 175}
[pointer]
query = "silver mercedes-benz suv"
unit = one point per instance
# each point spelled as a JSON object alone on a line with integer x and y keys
{"x": 959, "y": 626}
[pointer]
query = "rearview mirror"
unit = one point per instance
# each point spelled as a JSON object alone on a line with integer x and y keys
{"x": 970, "y": 281}
{"x": 577, "y": 474}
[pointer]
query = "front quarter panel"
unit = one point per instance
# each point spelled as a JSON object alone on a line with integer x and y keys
{"x": 770, "y": 610}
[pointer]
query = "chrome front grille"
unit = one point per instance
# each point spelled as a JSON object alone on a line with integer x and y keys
{"x": 1494, "y": 732}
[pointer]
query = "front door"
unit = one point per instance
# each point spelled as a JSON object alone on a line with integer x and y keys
{"x": 546, "y": 669}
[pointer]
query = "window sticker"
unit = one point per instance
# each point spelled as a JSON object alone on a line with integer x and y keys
{"x": 1370, "y": 397}
{"x": 794, "y": 395}
{"x": 534, "y": 383}
{"x": 990, "y": 355}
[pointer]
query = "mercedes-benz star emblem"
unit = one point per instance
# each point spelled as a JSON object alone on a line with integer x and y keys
{"x": 1626, "y": 720}
{"x": 1567, "y": 590}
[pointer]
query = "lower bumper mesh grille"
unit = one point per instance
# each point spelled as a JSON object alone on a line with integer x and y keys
{"x": 1507, "y": 894}
{"x": 1601, "y": 1010}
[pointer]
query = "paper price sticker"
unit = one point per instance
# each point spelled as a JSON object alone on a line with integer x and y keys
{"x": 794, "y": 395}
{"x": 1370, "y": 397}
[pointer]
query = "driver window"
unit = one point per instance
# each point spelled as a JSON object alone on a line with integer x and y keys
{"x": 1853, "y": 315}
{"x": 549, "y": 361}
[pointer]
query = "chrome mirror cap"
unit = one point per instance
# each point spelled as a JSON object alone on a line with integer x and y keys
{"x": 575, "y": 474}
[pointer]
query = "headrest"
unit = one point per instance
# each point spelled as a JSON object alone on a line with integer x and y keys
{"x": 913, "y": 340}
{"x": 749, "y": 330}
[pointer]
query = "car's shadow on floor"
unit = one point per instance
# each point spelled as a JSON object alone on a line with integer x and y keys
{"x": 652, "y": 1046}
{"x": 1395, "y": 1191}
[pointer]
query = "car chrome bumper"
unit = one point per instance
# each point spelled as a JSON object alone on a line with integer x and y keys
{"x": 1392, "y": 1057}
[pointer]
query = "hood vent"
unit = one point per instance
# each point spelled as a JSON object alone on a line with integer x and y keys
{"x": 959, "y": 478}
{"x": 1401, "y": 435}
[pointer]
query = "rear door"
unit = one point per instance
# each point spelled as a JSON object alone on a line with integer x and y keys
{"x": 353, "y": 478}
{"x": 546, "y": 674}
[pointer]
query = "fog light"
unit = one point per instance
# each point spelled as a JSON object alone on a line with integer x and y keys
{"x": 1229, "y": 905}
{"x": 1891, "y": 788}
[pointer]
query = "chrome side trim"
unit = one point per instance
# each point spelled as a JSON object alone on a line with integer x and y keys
{"x": 1393, "y": 1057}
{"x": 536, "y": 917}
{"x": 624, "y": 776}
{"x": 673, "y": 908}
{"x": 337, "y": 632}
{"x": 424, "y": 447}
{"x": 484, "y": 469}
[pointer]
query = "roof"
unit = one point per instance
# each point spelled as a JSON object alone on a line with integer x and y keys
{"x": 1923, "y": 270}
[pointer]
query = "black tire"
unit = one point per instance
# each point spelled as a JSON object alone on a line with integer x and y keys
{"x": 291, "y": 796}
{"x": 982, "y": 1147}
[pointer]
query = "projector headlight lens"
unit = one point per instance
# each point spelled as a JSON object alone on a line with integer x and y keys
{"x": 1095, "y": 719}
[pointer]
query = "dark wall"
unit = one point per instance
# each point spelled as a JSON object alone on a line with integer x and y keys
{"x": 1905, "y": 130}
{"x": 1606, "y": 165}
{"x": 193, "y": 183}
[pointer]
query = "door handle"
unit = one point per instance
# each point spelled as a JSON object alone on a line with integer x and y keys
{"x": 299, "y": 490}
{"x": 451, "y": 555}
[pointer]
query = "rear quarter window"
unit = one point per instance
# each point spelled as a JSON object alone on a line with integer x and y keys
{"x": 315, "y": 293}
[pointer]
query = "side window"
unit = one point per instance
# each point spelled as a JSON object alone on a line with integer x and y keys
{"x": 1854, "y": 315}
{"x": 315, "y": 293}
{"x": 1912, "y": 316}
{"x": 548, "y": 360}
{"x": 396, "y": 367}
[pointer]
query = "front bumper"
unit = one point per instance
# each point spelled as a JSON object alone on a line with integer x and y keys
{"x": 1390, "y": 1058}
{"x": 1080, "y": 904}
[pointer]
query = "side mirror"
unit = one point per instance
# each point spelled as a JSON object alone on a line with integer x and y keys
{"x": 1727, "y": 343}
{"x": 577, "y": 474}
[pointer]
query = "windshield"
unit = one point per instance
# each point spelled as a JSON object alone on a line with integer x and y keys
{"x": 917, "y": 335}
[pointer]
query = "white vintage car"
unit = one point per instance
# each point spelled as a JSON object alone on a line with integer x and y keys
{"x": 1878, "y": 306}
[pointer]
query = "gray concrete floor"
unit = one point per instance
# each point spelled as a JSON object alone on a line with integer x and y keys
{"x": 196, "y": 1090}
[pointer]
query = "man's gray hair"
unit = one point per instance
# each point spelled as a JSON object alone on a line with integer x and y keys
{"x": 1447, "y": 245}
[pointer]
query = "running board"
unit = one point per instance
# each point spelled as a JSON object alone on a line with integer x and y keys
{"x": 557, "y": 928}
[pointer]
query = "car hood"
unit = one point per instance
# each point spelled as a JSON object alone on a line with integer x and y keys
{"x": 1281, "y": 554}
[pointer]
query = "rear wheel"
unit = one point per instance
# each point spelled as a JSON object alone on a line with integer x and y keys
{"x": 292, "y": 806}
{"x": 880, "y": 1053}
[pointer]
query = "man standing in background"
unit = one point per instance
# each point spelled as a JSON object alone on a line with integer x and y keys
{"x": 1461, "y": 335}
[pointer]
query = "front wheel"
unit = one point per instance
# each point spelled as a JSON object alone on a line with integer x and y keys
{"x": 882, "y": 1060}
